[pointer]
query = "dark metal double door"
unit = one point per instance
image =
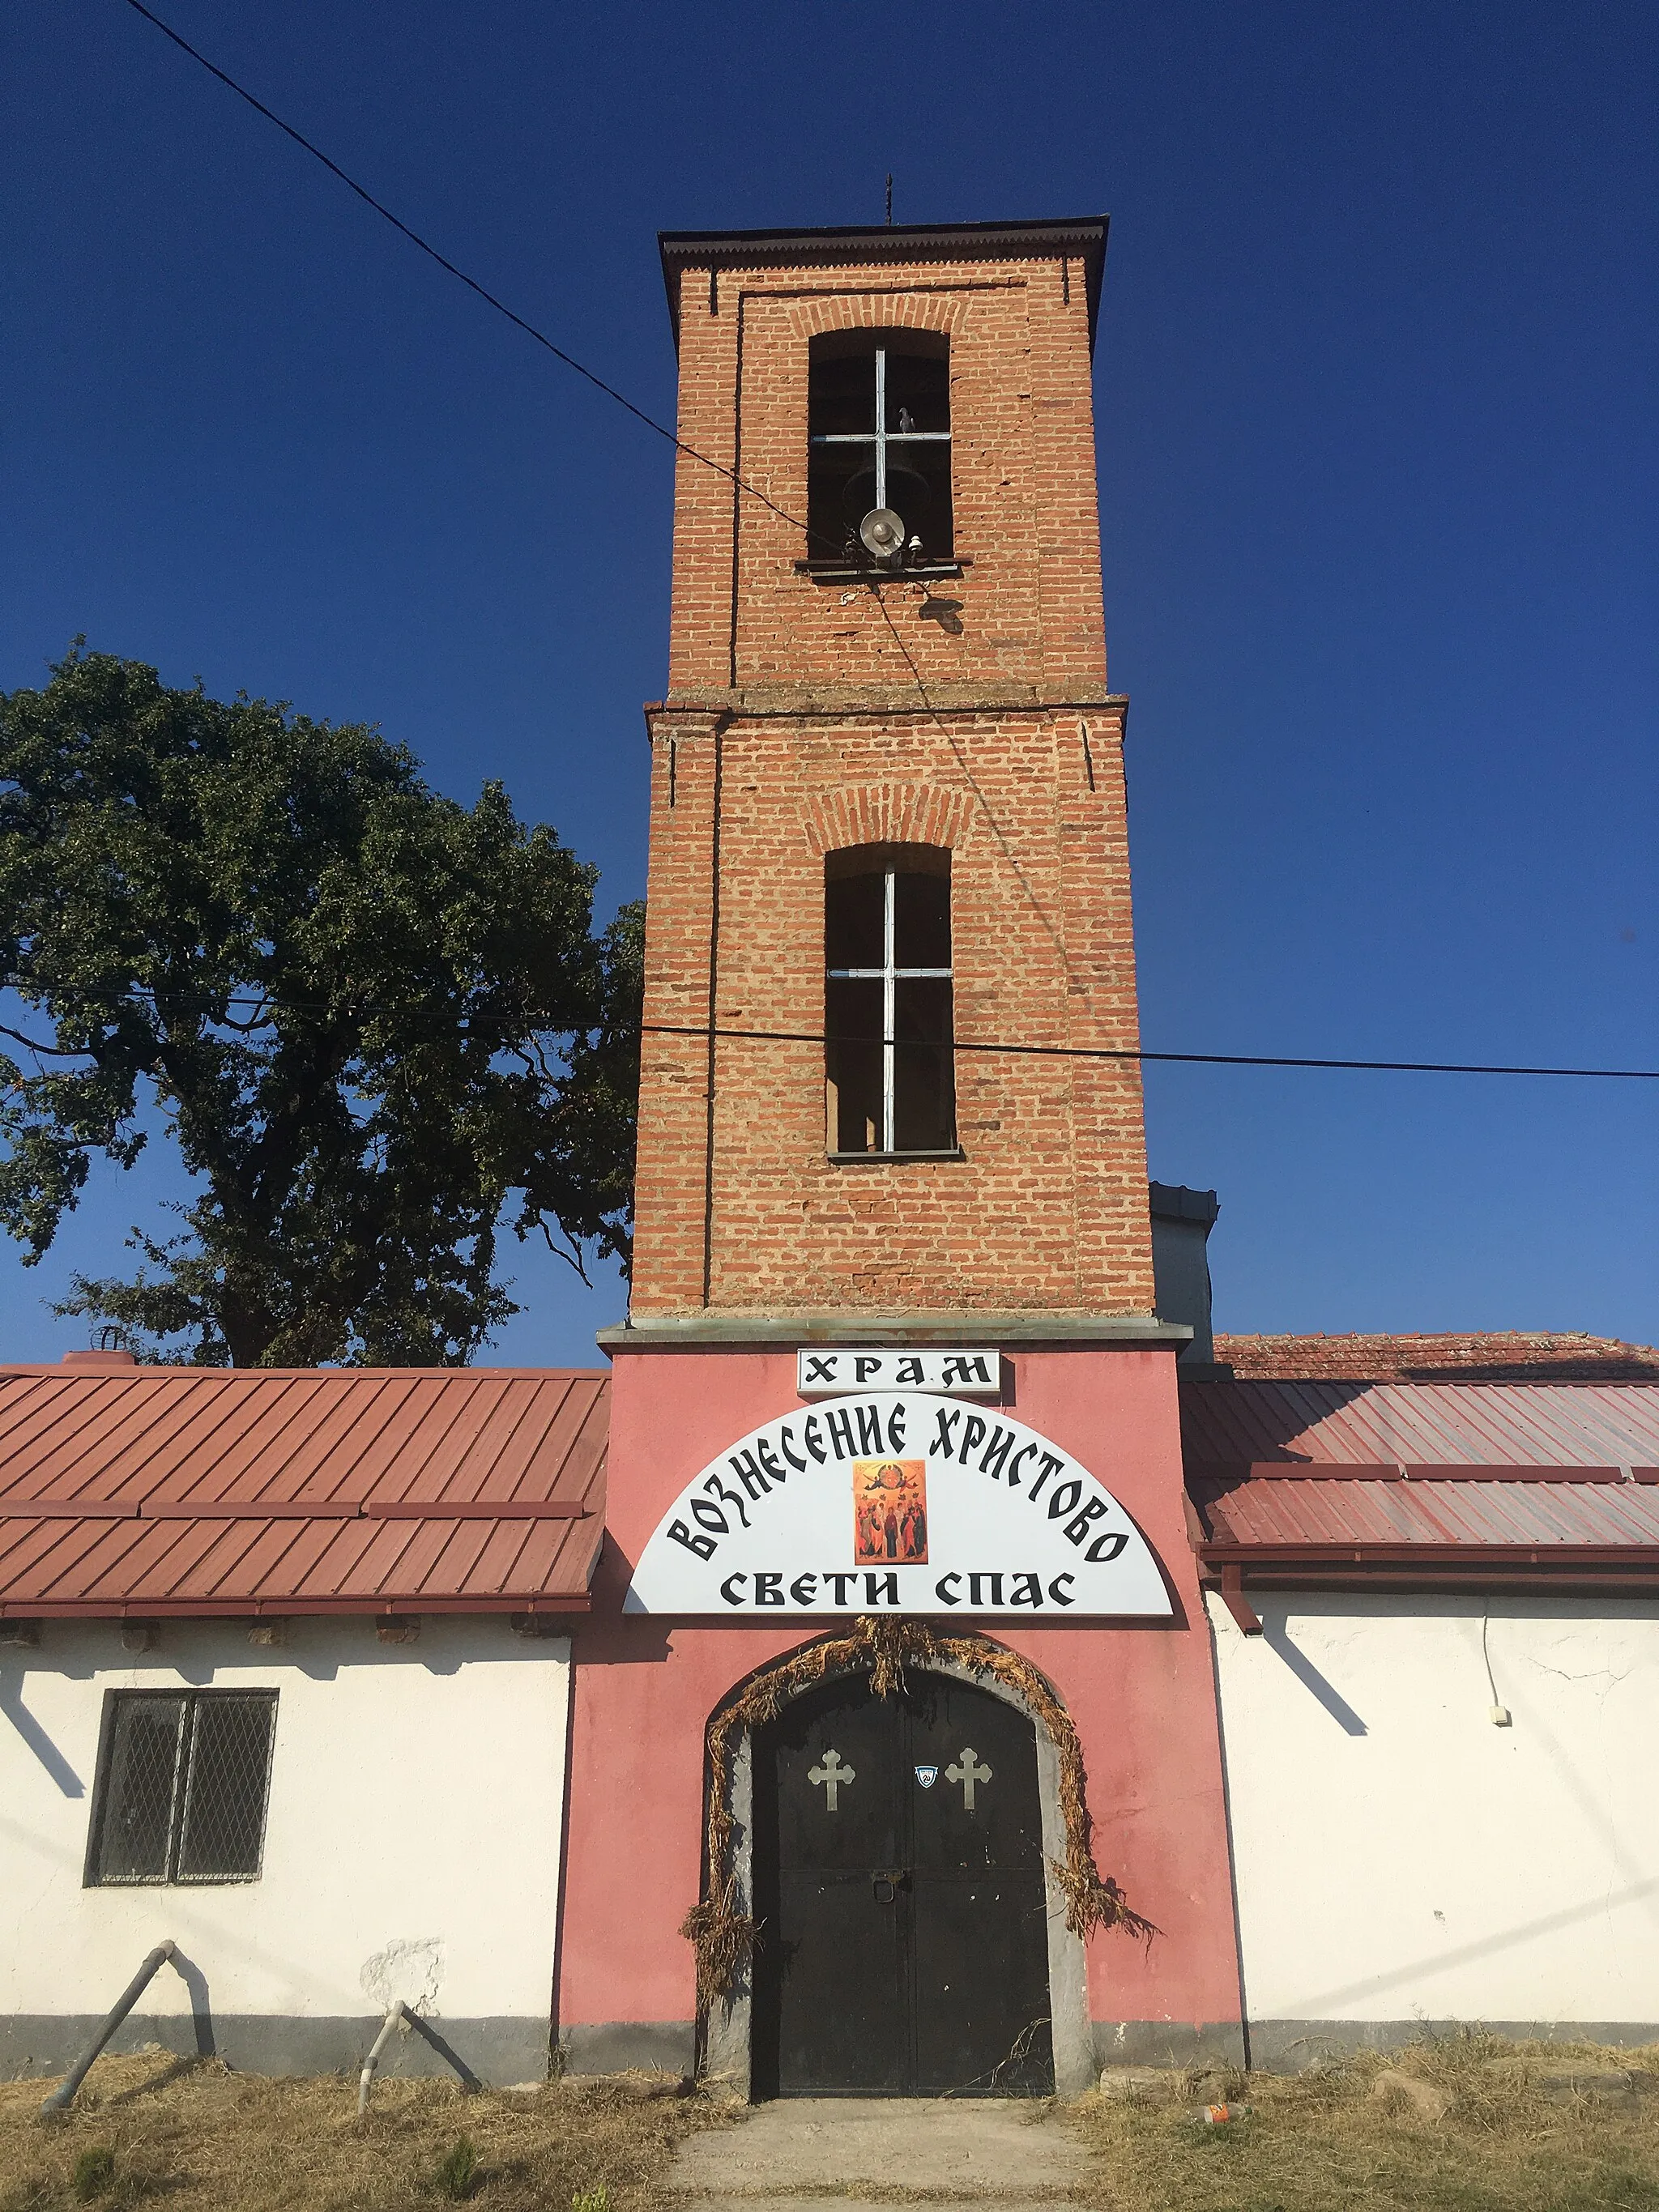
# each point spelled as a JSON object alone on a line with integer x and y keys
{"x": 899, "y": 1885}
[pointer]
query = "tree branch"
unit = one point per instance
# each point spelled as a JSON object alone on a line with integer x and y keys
{"x": 47, "y": 1051}
{"x": 570, "y": 1252}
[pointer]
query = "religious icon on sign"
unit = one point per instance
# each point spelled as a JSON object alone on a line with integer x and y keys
{"x": 889, "y": 1512}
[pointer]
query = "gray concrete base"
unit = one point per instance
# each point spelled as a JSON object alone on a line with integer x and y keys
{"x": 998, "y": 2199}
{"x": 1286, "y": 2046}
{"x": 497, "y": 2051}
{"x": 954, "y": 2149}
{"x": 1168, "y": 2042}
{"x": 615, "y": 2046}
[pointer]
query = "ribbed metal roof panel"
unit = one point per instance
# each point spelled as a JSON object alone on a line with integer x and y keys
{"x": 1259, "y": 1511}
{"x": 156, "y": 1477}
{"x": 1418, "y": 1423}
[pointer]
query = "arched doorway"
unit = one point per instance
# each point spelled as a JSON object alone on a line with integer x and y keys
{"x": 900, "y": 1886}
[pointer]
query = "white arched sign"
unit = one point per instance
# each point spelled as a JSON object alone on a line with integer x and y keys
{"x": 899, "y": 1502}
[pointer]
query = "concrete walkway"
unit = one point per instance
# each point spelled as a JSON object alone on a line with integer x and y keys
{"x": 803, "y": 2153}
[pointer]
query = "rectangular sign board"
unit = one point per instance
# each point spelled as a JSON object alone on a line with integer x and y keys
{"x": 839, "y": 1370}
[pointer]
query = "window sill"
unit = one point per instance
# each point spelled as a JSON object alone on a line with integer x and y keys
{"x": 843, "y": 572}
{"x": 169, "y": 1880}
{"x": 890, "y": 1159}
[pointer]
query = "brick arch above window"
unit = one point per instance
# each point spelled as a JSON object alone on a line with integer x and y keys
{"x": 888, "y": 814}
{"x": 942, "y": 312}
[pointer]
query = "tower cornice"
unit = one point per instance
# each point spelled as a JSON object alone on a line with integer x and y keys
{"x": 1079, "y": 237}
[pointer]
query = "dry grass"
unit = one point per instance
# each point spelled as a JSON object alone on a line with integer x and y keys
{"x": 1325, "y": 2143}
{"x": 193, "y": 2137}
{"x": 189, "y": 2138}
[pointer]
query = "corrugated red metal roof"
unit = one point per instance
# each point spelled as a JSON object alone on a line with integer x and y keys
{"x": 1490, "y": 1483}
{"x": 1422, "y": 1423}
{"x": 1263, "y": 1511}
{"x": 157, "y": 1490}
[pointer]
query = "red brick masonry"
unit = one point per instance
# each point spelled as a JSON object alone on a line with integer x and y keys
{"x": 803, "y": 716}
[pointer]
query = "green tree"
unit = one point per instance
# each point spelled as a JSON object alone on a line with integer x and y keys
{"x": 377, "y": 1024}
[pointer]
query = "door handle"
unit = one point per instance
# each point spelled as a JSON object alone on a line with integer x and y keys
{"x": 887, "y": 1881}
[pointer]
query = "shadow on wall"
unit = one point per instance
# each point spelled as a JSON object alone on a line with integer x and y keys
{"x": 201, "y": 2009}
{"x": 1319, "y": 2003}
{"x": 1275, "y": 1630}
{"x": 12, "y": 1705}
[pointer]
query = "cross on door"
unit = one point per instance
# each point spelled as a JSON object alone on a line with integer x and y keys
{"x": 831, "y": 1777}
{"x": 968, "y": 1771}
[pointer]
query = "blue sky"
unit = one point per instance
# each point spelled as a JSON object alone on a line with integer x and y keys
{"x": 1377, "y": 410}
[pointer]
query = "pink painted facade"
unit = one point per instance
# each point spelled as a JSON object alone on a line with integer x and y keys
{"x": 1142, "y": 1698}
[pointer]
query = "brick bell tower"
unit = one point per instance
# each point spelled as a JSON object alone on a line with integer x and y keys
{"x": 888, "y": 902}
{"x": 887, "y": 794}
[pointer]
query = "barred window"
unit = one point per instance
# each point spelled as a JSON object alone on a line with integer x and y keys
{"x": 889, "y": 1066}
{"x": 183, "y": 1778}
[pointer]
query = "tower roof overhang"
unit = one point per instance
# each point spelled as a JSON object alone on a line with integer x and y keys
{"x": 1079, "y": 238}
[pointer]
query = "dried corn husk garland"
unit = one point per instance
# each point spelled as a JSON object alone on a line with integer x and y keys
{"x": 723, "y": 1938}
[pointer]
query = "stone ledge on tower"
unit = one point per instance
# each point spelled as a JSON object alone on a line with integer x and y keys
{"x": 1134, "y": 1331}
{"x": 884, "y": 700}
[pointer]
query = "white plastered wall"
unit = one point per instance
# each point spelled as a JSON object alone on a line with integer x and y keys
{"x": 1400, "y": 1858}
{"x": 412, "y": 1843}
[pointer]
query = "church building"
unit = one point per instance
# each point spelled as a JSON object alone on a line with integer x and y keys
{"x": 922, "y": 1659}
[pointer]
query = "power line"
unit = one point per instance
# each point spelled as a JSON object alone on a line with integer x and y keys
{"x": 570, "y": 362}
{"x": 973, "y": 783}
{"x": 445, "y": 263}
{"x": 1185, "y": 1059}
{"x": 790, "y": 1037}
{"x": 491, "y": 299}
{"x": 721, "y": 1033}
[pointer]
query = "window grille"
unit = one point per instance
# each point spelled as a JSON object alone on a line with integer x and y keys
{"x": 889, "y": 1072}
{"x": 879, "y": 436}
{"x": 183, "y": 1779}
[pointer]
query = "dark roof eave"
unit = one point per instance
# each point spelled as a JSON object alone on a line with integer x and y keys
{"x": 549, "y": 1603}
{"x": 1467, "y": 1580}
{"x": 1085, "y": 235}
{"x": 266, "y": 1604}
{"x": 1430, "y": 1557}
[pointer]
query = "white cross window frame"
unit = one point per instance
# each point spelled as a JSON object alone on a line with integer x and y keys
{"x": 882, "y": 437}
{"x": 890, "y": 975}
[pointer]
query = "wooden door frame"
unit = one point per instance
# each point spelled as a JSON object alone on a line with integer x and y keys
{"x": 727, "y": 2032}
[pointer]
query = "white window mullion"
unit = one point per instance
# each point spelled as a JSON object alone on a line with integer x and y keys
{"x": 881, "y": 485}
{"x": 888, "y": 1003}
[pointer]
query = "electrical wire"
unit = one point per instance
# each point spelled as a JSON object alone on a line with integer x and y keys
{"x": 1497, "y": 1712}
{"x": 443, "y": 261}
{"x": 1180, "y": 1059}
{"x": 795, "y": 1037}
{"x": 492, "y": 299}
{"x": 267, "y": 1005}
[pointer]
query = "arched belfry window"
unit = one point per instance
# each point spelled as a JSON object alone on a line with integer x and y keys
{"x": 889, "y": 1072}
{"x": 879, "y": 431}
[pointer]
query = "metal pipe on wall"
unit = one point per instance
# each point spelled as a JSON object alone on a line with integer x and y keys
{"x": 63, "y": 2095}
{"x": 394, "y": 2018}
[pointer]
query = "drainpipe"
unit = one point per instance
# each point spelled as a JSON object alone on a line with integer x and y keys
{"x": 63, "y": 2096}
{"x": 393, "y": 2018}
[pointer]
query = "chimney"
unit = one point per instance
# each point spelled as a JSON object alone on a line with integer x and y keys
{"x": 100, "y": 1362}
{"x": 1181, "y": 1221}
